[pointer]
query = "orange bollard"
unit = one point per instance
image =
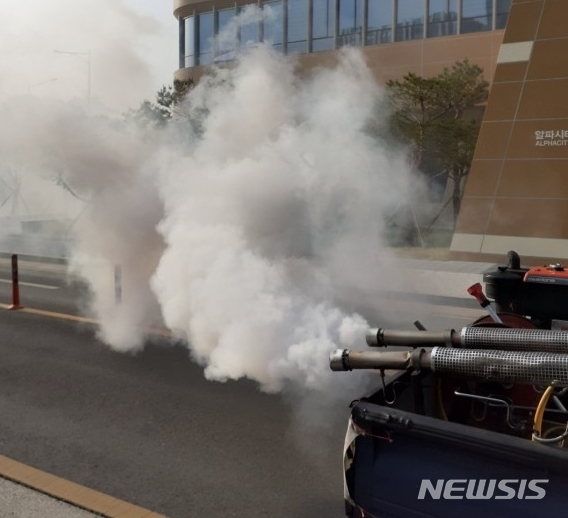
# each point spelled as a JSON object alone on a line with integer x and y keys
{"x": 15, "y": 284}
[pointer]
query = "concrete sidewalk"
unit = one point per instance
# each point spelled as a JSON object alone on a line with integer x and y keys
{"x": 26, "y": 492}
{"x": 442, "y": 278}
{"x": 22, "y": 502}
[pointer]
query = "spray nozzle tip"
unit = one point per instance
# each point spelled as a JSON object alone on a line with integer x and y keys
{"x": 477, "y": 291}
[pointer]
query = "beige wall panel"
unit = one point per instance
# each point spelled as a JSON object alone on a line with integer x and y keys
{"x": 497, "y": 37}
{"x": 473, "y": 46}
{"x": 429, "y": 57}
{"x": 503, "y": 102}
{"x": 529, "y": 218}
{"x": 523, "y": 21}
{"x": 497, "y": 40}
{"x": 317, "y": 59}
{"x": 425, "y": 57}
{"x": 474, "y": 213}
{"x": 493, "y": 139}
{"x": 193, "y": 73}
{"x": 526, "y": 143}
{"x": 554, "y": 20}
{"x": 510, "y": 72}
{"x": 482, "y": 178}
{"x": 549, "y": 59}
{"x": 545, "y": 99}
{"x": 382, "y": 75}
{"x": 433, "y": 69}
{"x": 396, "y": 55}
{"x": 530, "y": 210}
{"x": 534, "y": 178}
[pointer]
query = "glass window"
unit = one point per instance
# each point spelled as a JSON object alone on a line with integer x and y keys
{"x": 503, "y": 8}
{"x": 379, "y": 22}
{"x": 205, "y": 38}
{"x": 248, "y": 25}
{"x": 189, "y": 42}
{"x": 410, "y": 20}
{"x": 442, "y": 18}
{"x": 477, "y": 15}
{"x": 297, "y": 26}
{"x": 273, "y": 23}
{"x": 350, "y": 22}
{"x": 227, "y": 34}
{"x": 323, "y": 24}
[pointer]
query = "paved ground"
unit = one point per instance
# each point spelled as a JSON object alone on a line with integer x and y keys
{"x": 29, "y": 493}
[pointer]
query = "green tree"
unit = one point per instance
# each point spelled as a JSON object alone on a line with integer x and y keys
{"x": 164, "y": 108}
{"x": 416, "y": 104}
{"x": 439, "y": 119}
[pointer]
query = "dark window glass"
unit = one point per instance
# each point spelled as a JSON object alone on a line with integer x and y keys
{"x": 477, "y": 15}
{"x": 503, "y": 8}
{"x": 410, "y": 20}
{"x": 297, "y": 26}
{"x": 442, "y": 18}
{"x": 248, "y": 26}
{"x": 379, "y": 22}
{"x": 189, "y": 42}
{"x": 272, "y": 23}
{"x": 350, "y": 22}
{"x": 227, "y": 35}
{"x": 205, "y": 38}
{"x": 323, "y": 21}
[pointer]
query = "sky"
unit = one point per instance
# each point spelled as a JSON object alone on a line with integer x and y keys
{"x": 165, "y": 57}
{"x": 132, "y": 45}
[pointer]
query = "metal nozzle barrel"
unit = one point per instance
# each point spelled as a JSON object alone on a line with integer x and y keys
{"x": 514, "y": 339}
{"x": 529, "y": 367}
{"x": 379, "y": 337}
{"x": 346, "y": 360}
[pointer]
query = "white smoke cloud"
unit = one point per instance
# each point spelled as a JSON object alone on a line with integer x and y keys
{"x": 275, "y": 212}
{"x": 259, "y": 243}
{"x": 101, "y": 173}
{"x": 117, "y": 37}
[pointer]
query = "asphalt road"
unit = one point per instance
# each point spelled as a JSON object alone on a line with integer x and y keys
{"x": 43, "y": 285}
{"x": 149, "y": 429}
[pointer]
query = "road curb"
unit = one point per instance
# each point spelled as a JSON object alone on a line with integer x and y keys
{"x": 69, "y": 492}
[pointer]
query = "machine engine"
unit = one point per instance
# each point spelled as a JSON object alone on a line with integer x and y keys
{"x": 539, "y": 293}
{"x": 492, "y": 374}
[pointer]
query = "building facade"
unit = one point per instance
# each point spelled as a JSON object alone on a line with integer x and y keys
{"x": 397, "y": 36}
{"x": 516, "y": 197}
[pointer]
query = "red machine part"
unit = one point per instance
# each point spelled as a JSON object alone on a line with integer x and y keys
{"x": 551, "y": 274}
{"x": 509, "y": 320}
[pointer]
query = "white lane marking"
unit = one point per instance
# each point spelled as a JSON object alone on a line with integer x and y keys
{"x": 32, "y": 284}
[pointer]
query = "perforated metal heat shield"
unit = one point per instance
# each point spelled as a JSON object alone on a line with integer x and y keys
{"x": 536, "y": 368}
{"x": 515, "y": 339}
